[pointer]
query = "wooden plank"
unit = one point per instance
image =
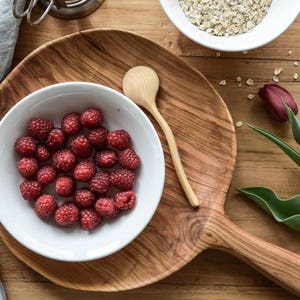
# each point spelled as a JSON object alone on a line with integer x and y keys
{"x": 42, "y": 291}
{"x": 148, "y": 19}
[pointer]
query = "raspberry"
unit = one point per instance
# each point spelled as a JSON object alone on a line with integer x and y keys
{"x": 91, "y": 118}
{"x": 42, "y": 153}
{"x": 128, "y": 159}
{"x": 46, "y": 175}
{"x": 89, "y": 219}
{"x": 45, "y": 207}
{"x": 27, "y": 166}
{"x": 64, "y": 160}
{"x": 84, "y": 171}
{"x": 106, "y": 159}
{"x": 25, "y": 146}
{"x": 64, "y": 186}
{"x": 118, "y": 139}
{"x": 56, "y": 139}
{"x": 100, "y": 182}
{"x": 106, "y": 208}
{"x": 30, "y": 189}
{"x": 71, "y": 124}
{"x": 67, "y": 214}
{"x": 39, "y": 128}
{"x": 98, "y": 137}
{"x": 84, "y": 198}
{"x": 81, "y": 146}
{"x": 125, "y": 200}
{"x": 122, "y": 179}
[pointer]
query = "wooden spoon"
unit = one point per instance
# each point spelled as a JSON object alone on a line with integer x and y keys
{"x": 141, "y": 85}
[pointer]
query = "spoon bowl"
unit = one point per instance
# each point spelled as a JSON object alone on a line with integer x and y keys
{"x": 141, "y": 84}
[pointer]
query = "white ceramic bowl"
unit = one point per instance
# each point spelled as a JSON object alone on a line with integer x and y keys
{"x": 75, "y": 244}
{"x": 281, "y": 15}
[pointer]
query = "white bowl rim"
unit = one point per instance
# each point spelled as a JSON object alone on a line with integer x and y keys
{"x": 161, "y": 173}
{"x": 224, "y": 46}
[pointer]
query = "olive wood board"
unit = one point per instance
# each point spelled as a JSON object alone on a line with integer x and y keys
{"x": 206, "y": 139}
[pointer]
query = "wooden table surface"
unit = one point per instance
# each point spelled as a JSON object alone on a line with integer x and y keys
{"x": 213, "y": 274}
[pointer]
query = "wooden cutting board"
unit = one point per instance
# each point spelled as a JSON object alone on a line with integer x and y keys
{"x": 207, "y": 144}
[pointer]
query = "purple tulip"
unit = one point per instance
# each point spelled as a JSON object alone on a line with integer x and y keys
{"x": 274, "y": 94}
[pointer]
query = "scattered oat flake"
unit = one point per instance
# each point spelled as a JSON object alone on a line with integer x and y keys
{"x": 239, "y": 124}
{"x": 296, "y": 64}
{"x": 296, "y": 76}
{"x": 218, "y": 54}
{"x": 240, "y": 85}
{"x": 238, "y": 79}
{"x": 290, "y": 52}
{"x": 250, "y": 82}
{"x": 223, "y": 82}
{"x": 251, "y": 96}
{"x": 277, "y": 71}
{"x": 275, "y": 79}
{"x": 245, "y": 52}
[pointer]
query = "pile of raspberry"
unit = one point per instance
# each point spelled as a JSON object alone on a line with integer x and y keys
{"x": 82, "y": 160}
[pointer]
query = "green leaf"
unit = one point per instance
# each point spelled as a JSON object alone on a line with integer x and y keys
{"x": 283, "y": 211}
{"x": 292, "y": 153}
{"x": 295, "y": 123}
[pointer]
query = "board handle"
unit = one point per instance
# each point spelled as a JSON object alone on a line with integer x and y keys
{"x": 278, "y": 264}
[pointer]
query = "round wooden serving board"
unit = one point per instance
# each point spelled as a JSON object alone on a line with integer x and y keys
{"x": 206, "y": 140}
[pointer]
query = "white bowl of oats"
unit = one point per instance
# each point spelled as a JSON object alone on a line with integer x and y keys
{"x": 232, "y": 25}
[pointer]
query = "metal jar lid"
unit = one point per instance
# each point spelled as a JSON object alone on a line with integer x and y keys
{"x": 70, "y": 9}
{"x": 65, "y": 9}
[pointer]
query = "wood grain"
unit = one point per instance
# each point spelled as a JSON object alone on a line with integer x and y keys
{"x": 211, "y": 275}
{"x": 173, "y": 237}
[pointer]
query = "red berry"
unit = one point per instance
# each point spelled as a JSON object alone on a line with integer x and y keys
{"x": 106, "y": 158}
{"x": 25, "y": 146}
{"x": 39, "y": 128}
{"x": 118, "y": 139}
{"x": 98, "y": 137}
{"x": 64, "y": 186}
{"x": 106, "y": 208}
{"x": 67, "y": 214}
{"x": 84, "y": 198}
{"x": 46, "y": 175}
{"x": 56, "y": 139}
{"x": 81, "y": 146}
{"x": 100, "y": 182}
{"x": 42, "y": 153}
{"x": 89, "y": 219}
{"x": 64, "y": 160}
{"x": 45, "y": 207}
{"x": 125, "y": 200}
{"x": 122, "y": 179}
{"x": 84, "y": 171}
{"x": 71, "y": 124}
{"x": 30, "y": 190}
{"x": 27, "y": 166}
{"x": 91, "y": 118}
{"x": 128, "y": 159}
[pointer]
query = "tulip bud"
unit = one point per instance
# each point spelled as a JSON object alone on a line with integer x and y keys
{"x": 274, "y": 95}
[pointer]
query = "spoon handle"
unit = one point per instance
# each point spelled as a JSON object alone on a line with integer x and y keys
{"x": 193, "y": 200}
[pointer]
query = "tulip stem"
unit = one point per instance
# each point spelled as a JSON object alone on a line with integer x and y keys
{"x": 294, "y": 122}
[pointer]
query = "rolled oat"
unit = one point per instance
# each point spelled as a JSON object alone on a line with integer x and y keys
{"x": 250, "y": 82}
{"x": 225, "y": 17}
